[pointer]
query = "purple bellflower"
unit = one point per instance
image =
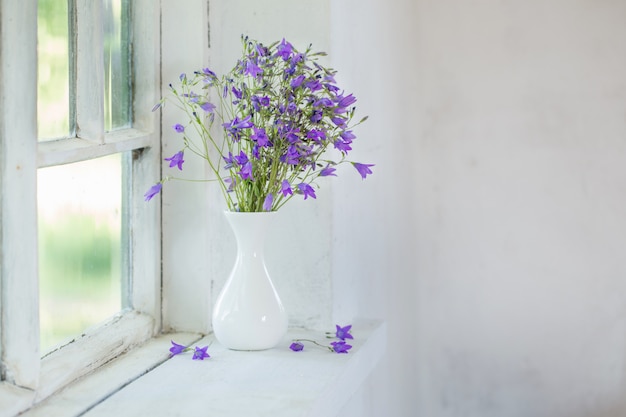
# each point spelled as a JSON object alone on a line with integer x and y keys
{"x": 235, "y": 126}
{"x": 252, "y": 69}
{"x": 285, "y": 49}
{"x": 207, "y": 107}
{"x": 280, "y": 111}
{"x": 237, "y": 93}
{"x": 246, "y": 171}
{"x": 285, "y": 188}
{"x": 307, "y": 190}
{"x": 154, "y": 190}
{"x": 176, "y": 348}
{"x": 342, "y": 145}
{"x": 260, "y": 137}
{"x": 344, "y": 102}
{"x": 341, "y": 347}
{"x": 364, "y": 169}
{"x": 176, "y": 160}
{"x": 328, "y": 171}
{"x": 343, "y": 333}
{"x": 242, "y": 158}
{"x": 200, "y": 353}
{"x": 230, "y": 160}
{"x": 297, "y": 81}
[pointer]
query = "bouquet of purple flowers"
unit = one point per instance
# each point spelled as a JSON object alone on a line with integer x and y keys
{"x": 284, "y": 121}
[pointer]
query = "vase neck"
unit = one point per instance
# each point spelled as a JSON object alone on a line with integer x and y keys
{"x": 250, "y": 229}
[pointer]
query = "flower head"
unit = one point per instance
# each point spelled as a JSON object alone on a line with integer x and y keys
{"x": 200, "y": 353}
{"x": 285, "y": 119}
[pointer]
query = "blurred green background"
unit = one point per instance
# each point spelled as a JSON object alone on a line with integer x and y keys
{"x": 79, "y": 204}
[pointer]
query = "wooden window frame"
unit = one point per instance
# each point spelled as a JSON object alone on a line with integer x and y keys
{"x": 26, "y": 378}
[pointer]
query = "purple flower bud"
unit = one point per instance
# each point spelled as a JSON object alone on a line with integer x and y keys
{"x": 296, "y": 346}
{"x": 267, "y": 204}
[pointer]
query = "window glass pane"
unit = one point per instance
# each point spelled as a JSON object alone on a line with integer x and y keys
{"x": 80, "y": 248}
{"x": 53, "y": 73}
{"x": 116, "y": 65}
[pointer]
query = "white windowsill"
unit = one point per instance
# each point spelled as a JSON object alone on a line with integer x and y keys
{"x": 276, "y": 382}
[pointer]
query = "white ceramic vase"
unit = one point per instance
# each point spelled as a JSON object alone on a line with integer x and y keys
{"x": 248, "y": 313}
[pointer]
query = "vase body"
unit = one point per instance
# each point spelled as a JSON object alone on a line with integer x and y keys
{"x": 248, "y": 313}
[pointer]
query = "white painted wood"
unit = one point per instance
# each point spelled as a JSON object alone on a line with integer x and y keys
{"x": 14, "y": 399}
{"x": 65, "y": 151}
{"x": 21, "y": 364}
{"x": 95, "y": 348}
{"x": 98, "y": 386}
{"x": 129, "y": 329}
{"x": 144, "y": 218}
{"x": 88, "y": 68}
{"x": 19, "y": 308}
{"x": 276, "y": 382}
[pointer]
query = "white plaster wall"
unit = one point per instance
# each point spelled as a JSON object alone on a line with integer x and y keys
{"x": 491, "y": 236}
{"x": 502, "y": 273}
{"x": 374, "y": 224}
{"x": 185, "y": 266}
